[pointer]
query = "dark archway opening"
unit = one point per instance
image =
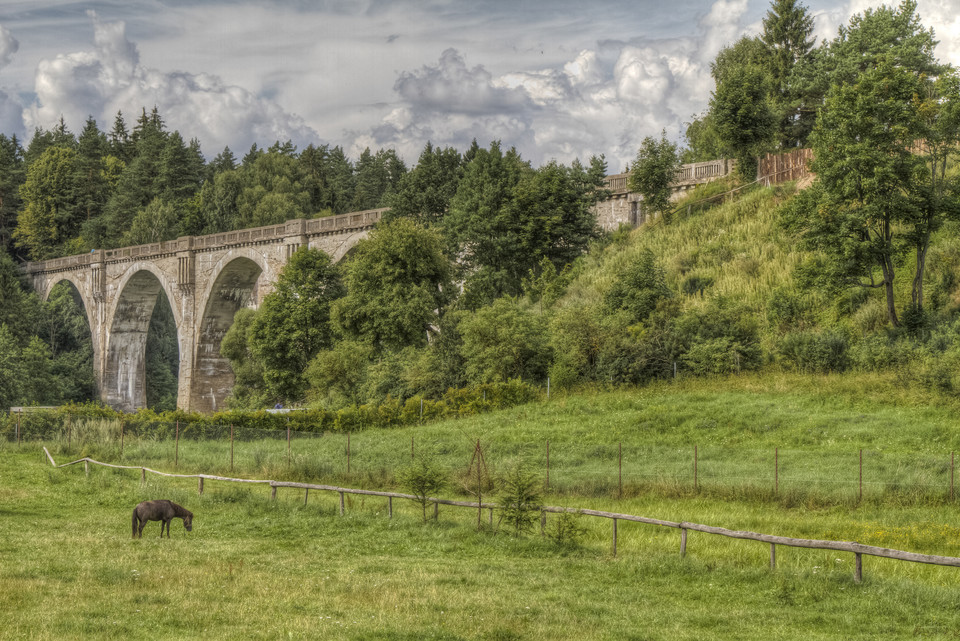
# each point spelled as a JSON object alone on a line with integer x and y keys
{"x": 66, "y": 331}
{"x": 162, "y": 357}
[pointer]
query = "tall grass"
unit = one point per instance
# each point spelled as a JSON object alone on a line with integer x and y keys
{"x": 736, "y": 244}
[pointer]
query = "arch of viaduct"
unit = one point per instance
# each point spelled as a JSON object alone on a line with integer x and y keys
{"x": 206, "y": 279}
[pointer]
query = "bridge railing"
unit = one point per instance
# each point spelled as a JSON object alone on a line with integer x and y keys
{"x": 268, "y": 233}
{"x": 690, "y": 173}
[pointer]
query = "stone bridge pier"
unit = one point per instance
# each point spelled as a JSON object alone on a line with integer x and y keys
{"x": 206, "y": 279}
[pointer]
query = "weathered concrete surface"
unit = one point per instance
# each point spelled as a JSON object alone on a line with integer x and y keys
{"x": 625, "y": 207}
{"x": 205, "y": 278}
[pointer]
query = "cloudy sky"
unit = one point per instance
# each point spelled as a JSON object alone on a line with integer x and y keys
{"x": 555, "y": 78}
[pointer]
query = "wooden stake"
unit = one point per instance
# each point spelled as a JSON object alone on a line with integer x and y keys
{"x": 614, "y": 537}
{"x": 200, "y": 487}
{"x": 479, "y": 488}
{"x": 548, "y": 466}
{"x": 696, "y": 472}
{"x": 683, "y": 542}
{"x": 858, "y": 570}
{"x": 143, "y": 475}
{"x": 773, "y": 556}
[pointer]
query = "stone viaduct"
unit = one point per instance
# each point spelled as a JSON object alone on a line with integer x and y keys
{"x": 205, "y": 278}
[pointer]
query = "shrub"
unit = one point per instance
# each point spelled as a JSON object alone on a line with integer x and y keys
{"x": 504, "y": 341}
{"x": 638, "y": 289}
{"x": 819, "y": 352}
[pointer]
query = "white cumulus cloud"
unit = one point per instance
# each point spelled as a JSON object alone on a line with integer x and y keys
{"x": 111, "y": 78}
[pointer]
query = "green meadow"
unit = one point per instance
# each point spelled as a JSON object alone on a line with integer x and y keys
{"x": 256, "y": 568}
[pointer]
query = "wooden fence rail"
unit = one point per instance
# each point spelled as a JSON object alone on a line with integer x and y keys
{"x": 857, "y": 549}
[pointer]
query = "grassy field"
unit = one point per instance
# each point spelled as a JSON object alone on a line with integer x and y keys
{"x": 253, "y": 568}
{"x": 752, "y": 434}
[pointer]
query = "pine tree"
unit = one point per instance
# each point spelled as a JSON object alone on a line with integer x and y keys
{"x": 121, "y": 145}
{"x": 787, "y": 34}
{"x": 92, "y": 189}
{"x": 11, "y": 177}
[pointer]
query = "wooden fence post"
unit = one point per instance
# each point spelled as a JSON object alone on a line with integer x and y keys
{"x": 696, "y": 472}
{"x": 614, "y": 537}
{"x": 776, "y": 471}
{"x": 548, "y": 466}
{"x": 858, "y": 570}
{"x": 390, "y": 506}
{"x": 683, "y": 542}
{"x": 436, "y": 511}
{"x": 86, "y": 468}
{"x": 411, "y": 448}
{"x": 200, "y": 486}
{"x": 342, "y": 508}
{"x": 273, "y": 492}
{"x": 306, "y": 493}
{"x": 773, "y": 556}
{"x": 143, "y": 475}
{"x": 620, "y": 470}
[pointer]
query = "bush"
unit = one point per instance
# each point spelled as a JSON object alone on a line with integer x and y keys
{"x": 504, "y": 341}
{"x": 638, "y": 289}
{"x": 815, "y": 352}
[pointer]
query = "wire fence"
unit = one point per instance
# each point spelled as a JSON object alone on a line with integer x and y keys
{"x": 575, "y": 467}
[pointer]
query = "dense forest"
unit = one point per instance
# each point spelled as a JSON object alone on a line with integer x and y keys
{"x": 487, "y": 269}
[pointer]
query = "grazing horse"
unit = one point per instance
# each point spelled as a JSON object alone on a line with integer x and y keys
{"x": 163, "y": 511}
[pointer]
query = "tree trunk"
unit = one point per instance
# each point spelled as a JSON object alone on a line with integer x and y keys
{"x": 886, "y": 266}
{"x": 916, "y": 293}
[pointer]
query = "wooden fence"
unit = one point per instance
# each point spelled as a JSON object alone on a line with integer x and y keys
{"x": 857, "y": 549}
{"x": 779, "y": 168}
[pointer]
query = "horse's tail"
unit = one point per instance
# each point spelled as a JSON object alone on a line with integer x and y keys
{"x": 134, "y": 522}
